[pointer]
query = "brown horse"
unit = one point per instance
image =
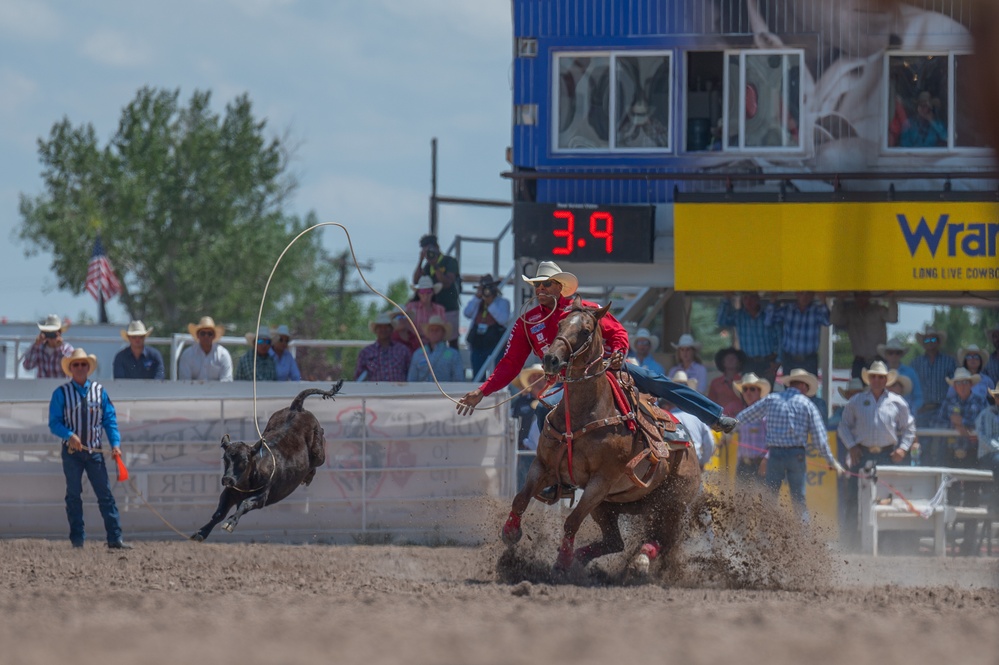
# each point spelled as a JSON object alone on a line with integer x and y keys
{"x": 600, "y": 446}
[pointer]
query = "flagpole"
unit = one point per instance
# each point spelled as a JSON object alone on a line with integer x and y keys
{"x": 102, "y": 311}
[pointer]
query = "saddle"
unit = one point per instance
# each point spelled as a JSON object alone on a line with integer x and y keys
{"x": 660, "y": 431}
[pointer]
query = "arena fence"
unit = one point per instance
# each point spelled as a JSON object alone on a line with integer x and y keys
{"x": 401, "y": 464}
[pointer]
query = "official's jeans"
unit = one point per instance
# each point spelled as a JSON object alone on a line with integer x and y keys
{"x": 789, "y": 464}
{"x": 683, "y": 396}
{"x": 73, "y": 466}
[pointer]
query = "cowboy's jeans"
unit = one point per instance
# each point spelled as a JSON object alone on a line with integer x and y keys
{"x": 788, "y": 464}
{"x": 686, "y": 398}
{"x": 73, "y": 466}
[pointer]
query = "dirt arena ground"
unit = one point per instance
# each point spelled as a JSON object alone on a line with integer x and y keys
{"x": 174, "y": 601}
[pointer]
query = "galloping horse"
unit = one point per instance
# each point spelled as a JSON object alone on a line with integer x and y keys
{"x": 589, "y": 442}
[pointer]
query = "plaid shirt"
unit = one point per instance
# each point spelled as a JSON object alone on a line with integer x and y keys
{"x": 47, "y": 361}
{"x": 752, "y": 439}
{"x": 801, "y": 330}
{"x": 987, "y": 428}
{"x": 383, "y": 363}
{"x": 790, "y": 418}
{"x": 933, "y": 376}
{"x": 968, "y": 410}
{"x": 266, "y": 370}
{"x": 756, "y": 337}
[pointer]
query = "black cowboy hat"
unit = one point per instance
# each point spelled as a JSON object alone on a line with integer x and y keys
{"x": 487, "y": 280}
{"x": 724, "y": 352}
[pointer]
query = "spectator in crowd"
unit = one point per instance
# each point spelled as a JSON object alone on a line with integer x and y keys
{"x": 443, "y": 270}
{"x": 403, "y": 333}
{"x": 892, "y": 353}
{"x": 959, "y": 411}
{"x": 987, "y": 428}
{"x": 852, "y": 388}
{"x": 876, "y": 426}
{"x": 992, "y": 368}
{"x": 865, "y": 323}
{"x": 791, "y": 417}
{"x": 79, "y": 411}
{"x": 284, "y": 362}
{"x": 525, "y": 408}
{"x": 932, "y": 369}
{"x": 972, "y": 359}
{"x": 722, "y": 388}
{"x": 488, "y": 313}
{"x": 385, "y": 359}
{"x": 643, "y": 345}
{"x": 259, "y": 353}
{"x": 750, "y": 465}
{"x": 700, "y": 434}
{"x": 902, "y": 387}
{"x": 687, "y": 360}
{"x": 801, "y": 329}
{"x": 138, "y": 361}
{"x": 46, "y": 354}
{"x": 445, "y": 361}
{"x": 758, "y": 339}
{"x": 424, "y": 307}
{"x": 925, "y": 131}
{"x": 207, "y": 360}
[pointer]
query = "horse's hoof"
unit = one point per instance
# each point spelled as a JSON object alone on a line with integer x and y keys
{"x": 640, "y": 565}
{"x": 198, "y": 538}
{"x": 228, "y": 526}
{"x": 511, "y": 536}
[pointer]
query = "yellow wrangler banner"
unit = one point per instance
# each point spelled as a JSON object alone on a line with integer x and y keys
{"x": 886, "y": 246}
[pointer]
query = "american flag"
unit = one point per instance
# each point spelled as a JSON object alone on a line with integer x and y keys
{"x": 100, "y": 275}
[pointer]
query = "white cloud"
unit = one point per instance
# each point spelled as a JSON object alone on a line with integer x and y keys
{"x": 29, "y": 20}
{"x": 17, "y": 90}
{"x": 115, "y": 49}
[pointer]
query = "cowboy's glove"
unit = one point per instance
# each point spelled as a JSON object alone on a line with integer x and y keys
{"x": 838, "y": 468}
{"x": 615, "y": 361}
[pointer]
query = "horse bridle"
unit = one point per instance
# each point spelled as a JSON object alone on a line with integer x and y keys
{"x": 586, "y": 376}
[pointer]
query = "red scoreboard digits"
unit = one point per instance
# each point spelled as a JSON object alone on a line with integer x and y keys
{"x": 584, "y": 233}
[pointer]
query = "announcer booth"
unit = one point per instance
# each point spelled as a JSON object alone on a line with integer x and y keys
{"x": 704, "y": 146}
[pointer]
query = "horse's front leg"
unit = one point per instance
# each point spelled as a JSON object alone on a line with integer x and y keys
{"x": 535, "y": 475}
{"x": 250, "y": 503}
{"x": 606, "y": 517}
{"x": 596, "y": 490}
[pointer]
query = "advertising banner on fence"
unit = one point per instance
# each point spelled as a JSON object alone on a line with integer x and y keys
{"x": 884, "y": 246}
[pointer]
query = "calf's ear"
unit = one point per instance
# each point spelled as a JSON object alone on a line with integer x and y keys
{"x": 225, "y": 441}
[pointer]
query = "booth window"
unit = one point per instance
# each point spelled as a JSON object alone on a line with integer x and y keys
{"x": 613, "y": 101}
{"x": 762, "y": 100}
{"x": 929, "y": 102}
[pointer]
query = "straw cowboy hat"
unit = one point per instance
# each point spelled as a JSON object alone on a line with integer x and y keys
{"x": 136, "y": 329}
{"x": 804, "y": 376}
{"x": 686, "y": 341}
{"x": 79, "y": 354}
{"x": 436, "y": 321}
{"x": 880, "y": 369}
{"x": 250, "y": 337}
{"x": 971, "y": 350}
{"x": 720, "y": 357}
{"x": 750, "y": 379}
{"x": 681, "y": 377}
{"x": 930, "y": 332}
{"x": 643, "y": 333}
{"x": 52, "y": 323}
{"x": 905, "y": 383}
{"x": 206, "y": 323}
{"x": 550, "y": 270}
{"x": 962, "y": 374}
{"x": 529, "y": 375}
{"x": 426, "y": 283}
{"x": 855, "y": 386}
{"x": 894, "y": 344}
{"x": 383, "y": 319}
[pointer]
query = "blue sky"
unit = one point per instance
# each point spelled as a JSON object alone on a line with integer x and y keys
{"x": 359, "y": 87}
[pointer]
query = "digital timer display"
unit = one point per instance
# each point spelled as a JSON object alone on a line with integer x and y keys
{"x": 581, "y": 233}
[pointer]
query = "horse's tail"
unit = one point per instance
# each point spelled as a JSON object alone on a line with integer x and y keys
{"x": 297, "y": 404}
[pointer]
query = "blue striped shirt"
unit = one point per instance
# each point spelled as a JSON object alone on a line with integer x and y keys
{"x": 66, "y": 414}
{"x": 801, "y": 330}
{"x": 756, "y": 337}
{"x": 790, "y": 418}
{"x": 933, "y": 376}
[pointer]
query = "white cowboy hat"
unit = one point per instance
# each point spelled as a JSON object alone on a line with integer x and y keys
{"x": 681, "y": 377}
{"x": 643, "y": 333}
{"x": 437, "y": 321}
{"x": 878, "y": 368}
{"x": 686, "y": 341}
{"x": 806, "y": 377}
{"x": 529, "y": 375}
{"x": 52, "y": 323}
{"x": 971, "y": 350}
{"x": 206, "y": 323}
{"x": 930, "y": 332}
{"x": 894, "y": 344}
{"x": 750, "y": 379}
{"x": 250, "y": 337}
{"x": 281, "y": 331}
{"x": 550, "y": 270}
{"x": 855, "y": 386}
{"x": 136, "y": 329}
{"x": 905, "y": 383}
{"x": 426, "y": 283}
{"x": 79, "y": 354}
{"x": 383, "y": 319}
{"x": 962, "y": 374}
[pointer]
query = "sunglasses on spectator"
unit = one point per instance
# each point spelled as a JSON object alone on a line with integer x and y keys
{"x": 51, "y": 335}
{"x": 424, "y": 292}
{"x": 206, "y": 333}
{"x": 930, "y": 340}
{"x": 893, "y": 352}
{"x": 79, "y": 364}
{"x": 263, "y": 340}
{"x": 750, "y": 389}
{"x": 283, "y": 340}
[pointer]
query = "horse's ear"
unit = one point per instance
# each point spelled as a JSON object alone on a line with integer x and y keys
{"x": 225, "y": 441}
{"x": 577, "y": 302}
{"x": 602, "y": 311}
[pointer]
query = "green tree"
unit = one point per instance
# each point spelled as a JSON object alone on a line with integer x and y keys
{"x": 190, "y": 205}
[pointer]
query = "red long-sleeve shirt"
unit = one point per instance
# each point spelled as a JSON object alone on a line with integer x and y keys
{"x": 534, "y": 332}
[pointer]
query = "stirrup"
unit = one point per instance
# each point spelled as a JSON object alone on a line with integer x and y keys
{"x": 554, "y": 493}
